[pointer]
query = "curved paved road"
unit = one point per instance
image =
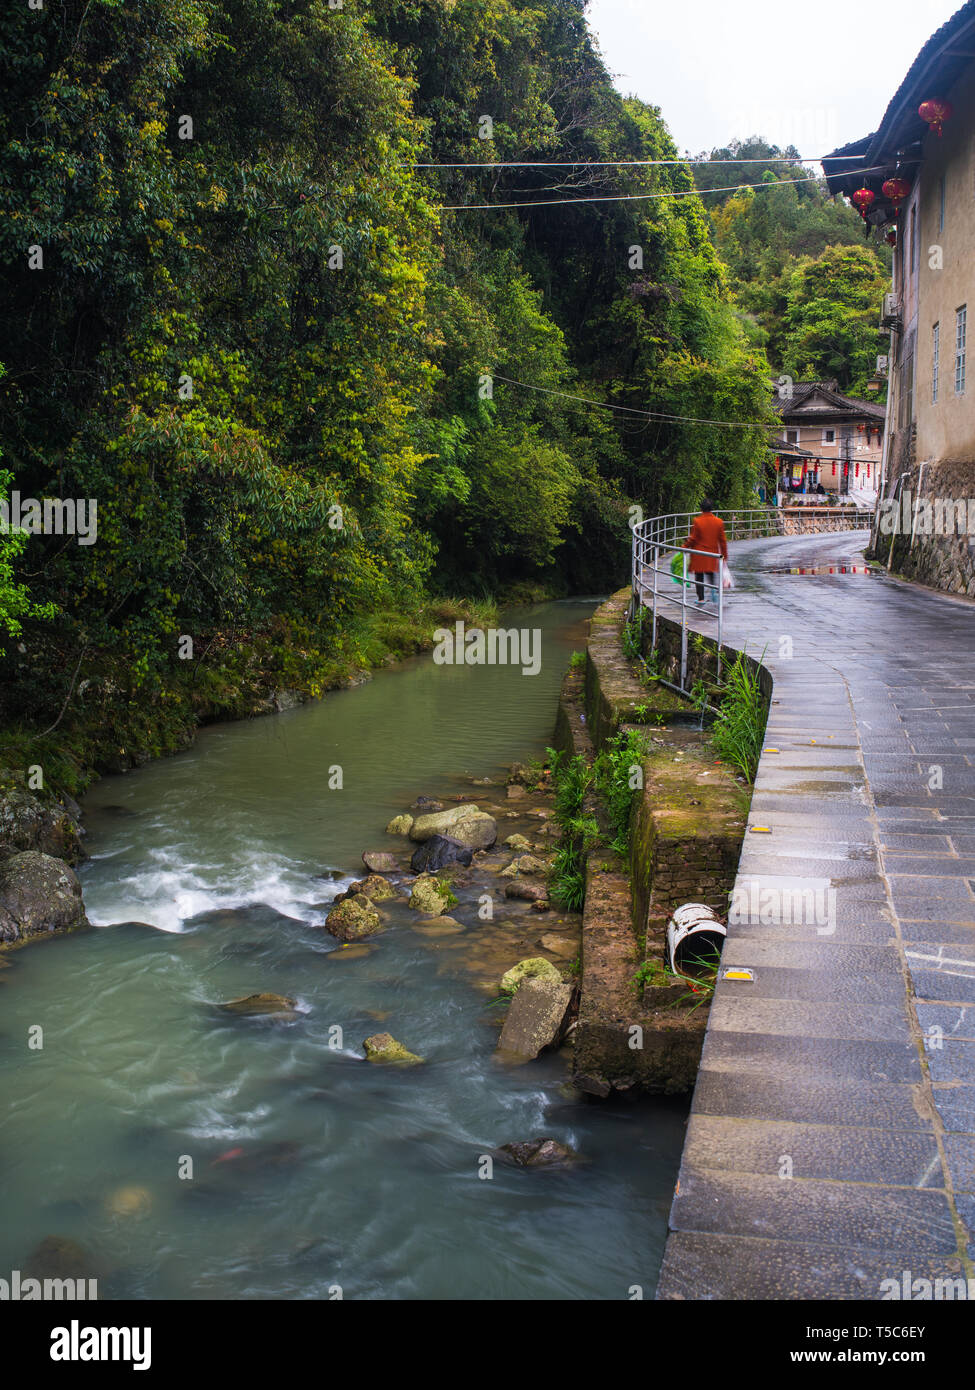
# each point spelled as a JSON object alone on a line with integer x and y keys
{"x": 831, "y": 1144}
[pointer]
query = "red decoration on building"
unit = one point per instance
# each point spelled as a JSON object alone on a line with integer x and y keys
{"x": 896, "y": 190}
{"x": 862, "y": 200}
{"x": 934, "y": 112}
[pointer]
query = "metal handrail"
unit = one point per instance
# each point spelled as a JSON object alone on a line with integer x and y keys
{"x": 658, "y": 538}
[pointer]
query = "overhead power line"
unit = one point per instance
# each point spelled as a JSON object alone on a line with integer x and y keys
{"x": 632, "y": 410}
{"x": 642, "y": 197}
{"x": 617, "y": 163}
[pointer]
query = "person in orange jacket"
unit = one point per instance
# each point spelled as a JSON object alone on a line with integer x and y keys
{"x": 707, "y": 533}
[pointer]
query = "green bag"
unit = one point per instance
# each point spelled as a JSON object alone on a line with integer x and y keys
{"x": 677, "y": 569}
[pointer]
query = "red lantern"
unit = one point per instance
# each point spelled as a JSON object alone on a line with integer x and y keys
{"x": 862, "y": 200}
{"x": 934, "y": 112}
{"x": 896, "y": 190}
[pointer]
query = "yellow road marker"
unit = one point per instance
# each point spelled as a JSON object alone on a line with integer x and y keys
{"x": 760, "y": 829}
{"x": 738, "y": 972}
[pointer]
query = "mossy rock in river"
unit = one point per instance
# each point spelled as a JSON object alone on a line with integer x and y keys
{"x": 376, "y": 888}
{"x": 261, "y": 1005}
{"x": 400, "y": 825}
{"x": 38, "y": 894}
{"x": 530, "y": 968}
{"x": 383, "y": 1047}
{"x": 353, "y": 919}
{"x": 430, "y": 896}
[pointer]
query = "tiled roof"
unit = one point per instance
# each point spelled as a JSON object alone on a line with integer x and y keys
{"x": 838, "y": 403}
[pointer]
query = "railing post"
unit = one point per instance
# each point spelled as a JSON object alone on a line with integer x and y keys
{"x": 683, "y": 627}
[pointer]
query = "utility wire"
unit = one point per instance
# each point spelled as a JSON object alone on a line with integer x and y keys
{"x": 632, "y": 410}
{"x": 642, "y": 197}
{"x": 618, "y": 163}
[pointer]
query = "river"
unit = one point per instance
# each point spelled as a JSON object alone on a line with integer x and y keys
{"x": 314, "y": 1174}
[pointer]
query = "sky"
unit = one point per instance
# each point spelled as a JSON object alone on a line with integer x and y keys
{"x": 811, "y": 75}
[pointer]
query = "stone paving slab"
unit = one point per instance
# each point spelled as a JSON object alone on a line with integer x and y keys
{"x": 852, "y": 1154}
{"x": 828, "y": 1055}
{"x": 717, "y": 1267}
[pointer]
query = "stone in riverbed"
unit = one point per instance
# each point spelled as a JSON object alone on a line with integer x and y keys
{"x": 382, "y": 1047}
{"x": 376, "y": 888}
{"x": 440, "y": 926}
{"x": 517, "y": 842}
{"x": 439, "y": 851}
{"x": 259, "y": 1005}
{"x": 38, "y": 894}
{"x": 466, "y": 824}
{"x": 399, "y": 825}
{"x": 59, "y": 1257}
{"x": 351, "y": 950}
{"x": 380, "y": 861}
{"x": 525, "y": 864}
{"x": 536, "y": 1017}
{"x": 559, "y": 945}
{"x": 527, "y": 892}
{"x": 429, "y": 897}
{"x": 537, "y": 1153}
{"x": 532, "y": 967}
{"x": 353, "y": 919}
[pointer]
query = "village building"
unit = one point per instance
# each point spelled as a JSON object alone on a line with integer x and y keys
{"x": 828, "y": 440}
{"x": 917, "y": 188}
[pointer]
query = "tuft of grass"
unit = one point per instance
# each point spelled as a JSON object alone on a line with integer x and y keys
{"x": 740, "y": 725}
{"x": 618, "y": 774}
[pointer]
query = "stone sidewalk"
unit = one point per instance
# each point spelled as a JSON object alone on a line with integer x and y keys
{"x": 831, "y": 1143}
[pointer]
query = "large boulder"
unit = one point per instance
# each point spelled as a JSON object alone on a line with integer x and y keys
{"x": 38, "y": 894}
{"x": 532, "y": 967}
{"x": 437, "y": 852}
{"x": 466, "y": 824}
{"x": 353, "y": 919}
{"x": 49, "y": 824}
{"x": 383, "y": 1047}
{"x": 536, "y": 1016}
{"x": 430, "y": 896}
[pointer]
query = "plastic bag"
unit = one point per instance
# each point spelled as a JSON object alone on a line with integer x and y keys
{"x": 677, "y": 569}
{"x": 727, "y": 579}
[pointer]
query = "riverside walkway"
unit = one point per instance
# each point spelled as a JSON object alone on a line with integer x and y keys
{"x": 831, "y": 1142}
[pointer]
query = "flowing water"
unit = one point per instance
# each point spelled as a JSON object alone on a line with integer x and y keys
{"x": 312, "y": 1170}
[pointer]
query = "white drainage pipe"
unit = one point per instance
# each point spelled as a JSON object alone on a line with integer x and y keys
{"x": 693, "y": 933}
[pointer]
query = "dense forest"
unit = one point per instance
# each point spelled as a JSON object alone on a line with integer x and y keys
{"x": 807, "y": 281}
{"x": 321, "y": 390}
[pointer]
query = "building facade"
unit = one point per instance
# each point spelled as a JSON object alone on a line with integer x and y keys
{"x": 923, "y": 183}
{"x": 839, "y": 440}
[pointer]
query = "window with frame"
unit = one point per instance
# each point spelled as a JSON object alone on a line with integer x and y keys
{"x": 961, "y": 348}
{"x": 829, "y": 436}
{"x": 935, "y": 361}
